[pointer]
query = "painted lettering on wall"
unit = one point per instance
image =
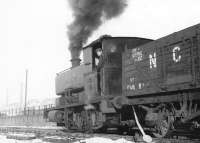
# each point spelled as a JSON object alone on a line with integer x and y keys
{"x": 132, "y": 79}
{"x": 176, "y": 56}
{"x": 136, "y": 54}
{"x": 152, "y": 60}
{"x": 140, "y": 85}
{"x": 130, "y": 87}
{"x": 133, "y": 85}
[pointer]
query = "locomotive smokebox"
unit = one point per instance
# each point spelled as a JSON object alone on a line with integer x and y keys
{"x": 56, "y": 116}
{"x": 75, "y": 62}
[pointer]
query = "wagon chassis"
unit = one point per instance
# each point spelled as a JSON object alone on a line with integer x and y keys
{"x": 176, "y": 113}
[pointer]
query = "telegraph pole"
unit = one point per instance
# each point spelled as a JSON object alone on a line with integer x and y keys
{"x": 21, "y": 96}
{"x": 26, "y": 91}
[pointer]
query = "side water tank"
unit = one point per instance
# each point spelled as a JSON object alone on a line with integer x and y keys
{"x": 56, "y": 116}
{"x": 60, "y": 101}
{"x": 73, "y": 78}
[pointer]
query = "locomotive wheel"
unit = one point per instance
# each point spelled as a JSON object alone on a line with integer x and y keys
{"x": 162, "y": 128}
{"x": 163, "y": 125}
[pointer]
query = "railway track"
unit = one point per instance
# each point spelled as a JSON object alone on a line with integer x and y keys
{"x": 55, "y": 135}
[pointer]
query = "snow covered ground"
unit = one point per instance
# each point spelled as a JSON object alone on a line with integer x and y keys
{"x": 4, "y": 139}
{"x": 33, "y": 127}
{"x": 103, "y": 140}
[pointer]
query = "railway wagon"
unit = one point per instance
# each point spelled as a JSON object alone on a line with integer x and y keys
{"x": 162, "y": 79}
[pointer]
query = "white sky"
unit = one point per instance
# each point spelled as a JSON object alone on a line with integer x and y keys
{"x": 33, "y": 36}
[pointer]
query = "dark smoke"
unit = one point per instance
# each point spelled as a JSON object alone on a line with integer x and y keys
{"x": 88, "y": 15}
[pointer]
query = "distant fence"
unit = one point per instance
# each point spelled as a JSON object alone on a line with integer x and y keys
{"x": 31, "y": 116}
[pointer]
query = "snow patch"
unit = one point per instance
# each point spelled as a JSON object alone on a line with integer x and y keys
{"x": 33, "y": 127}
{"x": 3, "y": 139}
{"x": 103, "y": 140}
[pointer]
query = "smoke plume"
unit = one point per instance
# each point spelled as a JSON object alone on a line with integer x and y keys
{"x": 88, "y": 16}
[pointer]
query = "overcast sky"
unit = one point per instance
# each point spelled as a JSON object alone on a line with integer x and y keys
{"x": 33, "y": 36}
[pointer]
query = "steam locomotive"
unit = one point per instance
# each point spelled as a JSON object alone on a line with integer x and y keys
{"x": 159, "y": 78}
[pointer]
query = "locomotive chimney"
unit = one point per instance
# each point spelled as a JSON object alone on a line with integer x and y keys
{"x": 75, "y": 62}
{"x": 75, "y": 54}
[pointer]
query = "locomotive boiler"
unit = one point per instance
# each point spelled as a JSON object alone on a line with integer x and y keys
{"x": 159, "y": 78}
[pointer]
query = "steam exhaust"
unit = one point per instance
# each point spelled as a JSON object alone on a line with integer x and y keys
{"x": 88, "y": 16}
